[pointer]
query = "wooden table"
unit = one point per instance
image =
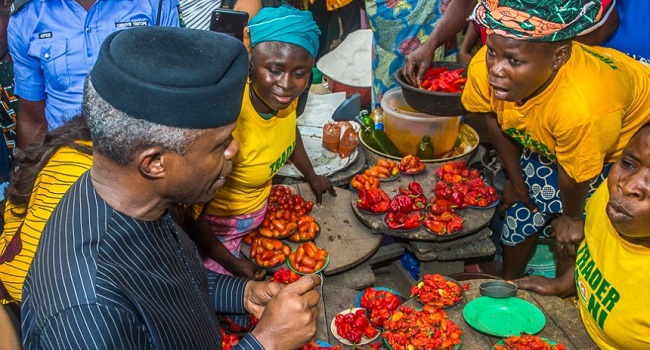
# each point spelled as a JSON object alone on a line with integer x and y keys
{"x": 563, "y": 323}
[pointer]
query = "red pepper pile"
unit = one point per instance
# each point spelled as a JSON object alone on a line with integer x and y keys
{"x": 284, "y": 276}
{"x": 463, "y": 186}
{"x": 527, "y": 342}
{"x": 441, "y": 79}
{"x": 354, "y": 325}
{"x": 228, "y": 341}
{"x": 404, "y": 209}
{"x": 283, "y": 213}
{"x": 441, "y": 218}
{"x": 429, "y": 328}
{"x": 312, "y": 345}
{"x": 236, "y": 328}
{"x": 411, "y": 164}
{"x": 435, "y": 290}
{"x": 380, "y": 303}
{"x": 373, "y": 199}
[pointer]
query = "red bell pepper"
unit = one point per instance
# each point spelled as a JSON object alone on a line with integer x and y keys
{"x": 401, "y": 203}
{"x": 455, "y": 225}
{"x": 440, "y": 206}
{"x": 415, "y": 188}
{"x": 437, "y": 227}
{"x": 412, "y": 220}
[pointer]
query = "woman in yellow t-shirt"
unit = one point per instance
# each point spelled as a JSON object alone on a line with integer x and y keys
{"x": 284, "y": 42}
{"x": 610, "y": 274}
{"x": 559, "y": 113}
{"x": 44, "y": 173}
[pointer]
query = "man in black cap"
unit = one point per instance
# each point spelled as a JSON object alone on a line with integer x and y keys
{"x": 112, "y": 270}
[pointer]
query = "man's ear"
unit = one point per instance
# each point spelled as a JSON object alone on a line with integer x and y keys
{"x": 151, "y": 162}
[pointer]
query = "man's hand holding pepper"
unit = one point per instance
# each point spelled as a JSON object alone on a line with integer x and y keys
{"x": 289, "y": 318}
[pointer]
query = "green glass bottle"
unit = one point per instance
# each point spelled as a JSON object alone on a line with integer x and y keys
{"x": 376, "y": 139}
{"x": 367, "y": 124}
{"x": 425, "y": 148}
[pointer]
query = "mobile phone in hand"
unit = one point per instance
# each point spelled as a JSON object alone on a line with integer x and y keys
{"x": 229, "y": 22}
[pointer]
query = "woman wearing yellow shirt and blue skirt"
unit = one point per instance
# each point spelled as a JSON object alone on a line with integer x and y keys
{"x": 559, "y": 113}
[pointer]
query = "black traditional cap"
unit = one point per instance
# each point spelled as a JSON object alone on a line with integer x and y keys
{"x": 178, "y": 77}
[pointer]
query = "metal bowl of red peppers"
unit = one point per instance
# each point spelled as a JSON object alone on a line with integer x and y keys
{"x": 438, "y": 94}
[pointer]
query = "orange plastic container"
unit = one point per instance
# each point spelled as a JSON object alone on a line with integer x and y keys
{"x": 405, "y": 127}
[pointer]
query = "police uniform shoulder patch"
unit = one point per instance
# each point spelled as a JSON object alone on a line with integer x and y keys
{"x": 17, "y": 5}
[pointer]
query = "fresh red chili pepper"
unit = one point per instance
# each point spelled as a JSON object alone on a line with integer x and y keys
{"x": 437, "y": 227}
{"x": 394, "y": 220}
{"x": 228, "y": 341}
{"x": 527, "y": 342}
{"x": 353, "y": 326}
{"x": 429, "y": 328}
{"x": 419, "y": 203}
{"x": 435, "y": 291}
{"x": 415, "y": 188}
{"x": 440, "y": 206}
{"x": 401, "y": 203}
{"x": 373, "y": 199}
{"x": 412, "y": 220}
{"x": 442, "y": 191}
{"x": 433, "y": 72}
{"x": 455, "y": 225}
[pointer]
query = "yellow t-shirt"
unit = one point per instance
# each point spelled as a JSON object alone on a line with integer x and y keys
{"x": 54, "y": 180}
{"x": 612, "y": 282}
{"x": 334, "y": 4}
{"x": 264, "y": 146}
{"x": 583, "y": 119}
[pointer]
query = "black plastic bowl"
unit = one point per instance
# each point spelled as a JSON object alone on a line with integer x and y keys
{"x": 439, "y": 104}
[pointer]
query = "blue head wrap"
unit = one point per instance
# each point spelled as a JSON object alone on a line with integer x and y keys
{"x": 285, "y": 24}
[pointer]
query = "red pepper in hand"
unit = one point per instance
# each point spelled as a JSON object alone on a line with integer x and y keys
{"x": 433, "y": 72}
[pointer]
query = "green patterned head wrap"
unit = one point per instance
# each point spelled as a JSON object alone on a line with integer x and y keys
{"x": 541, "y": 20}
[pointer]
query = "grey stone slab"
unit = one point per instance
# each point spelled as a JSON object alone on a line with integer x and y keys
{"x": 444, "y": 268}
{"x": 357, "y": 278}
{"x": 474, "y": 246}
{"x": 387, "y": 252}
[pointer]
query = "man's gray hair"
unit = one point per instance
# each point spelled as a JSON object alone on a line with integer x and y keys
{"x": 119, "y": 136}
